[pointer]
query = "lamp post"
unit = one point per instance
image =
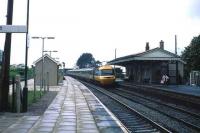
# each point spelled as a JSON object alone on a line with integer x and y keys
{"x": 25, "y": 89}
{"x": 50, "y": 51}
{"x": 43, "y": 38}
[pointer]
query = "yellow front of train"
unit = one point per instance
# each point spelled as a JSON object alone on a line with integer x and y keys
{"x": 105, "y": 75}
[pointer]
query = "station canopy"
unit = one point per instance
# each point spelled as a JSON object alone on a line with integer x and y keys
{"x": 156, "y": 54}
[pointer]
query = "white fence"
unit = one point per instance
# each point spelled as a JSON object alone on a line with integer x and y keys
{"x": 195, "y": 78}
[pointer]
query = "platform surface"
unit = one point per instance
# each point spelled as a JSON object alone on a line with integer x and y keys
{"x": 74, "y": 110}
{"x": 184, "y": 89}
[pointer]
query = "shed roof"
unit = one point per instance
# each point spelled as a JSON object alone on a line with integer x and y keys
{"x": 49, "y": 57}
{"x": 153, "y": 54}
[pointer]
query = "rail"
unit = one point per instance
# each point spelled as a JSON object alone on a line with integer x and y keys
{"x": 123, "y": 102}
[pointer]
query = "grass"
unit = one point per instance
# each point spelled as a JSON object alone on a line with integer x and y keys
{"x": 31, "y": 99}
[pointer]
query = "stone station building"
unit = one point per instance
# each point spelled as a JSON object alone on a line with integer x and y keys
{"x": 149, "y": 66}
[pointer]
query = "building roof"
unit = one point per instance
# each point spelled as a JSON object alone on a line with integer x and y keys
{"x": 49, "y": 57}
{"x": 153, "y": 54}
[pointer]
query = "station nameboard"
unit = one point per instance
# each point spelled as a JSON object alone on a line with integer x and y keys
{"x": 13, "y": 29}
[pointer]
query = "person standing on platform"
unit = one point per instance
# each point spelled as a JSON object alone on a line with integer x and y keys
{"x": 164, "y": 79}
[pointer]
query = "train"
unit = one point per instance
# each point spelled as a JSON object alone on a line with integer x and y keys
{"x": 103, "y": 75}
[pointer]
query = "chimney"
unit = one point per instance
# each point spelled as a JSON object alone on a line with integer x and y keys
{"x": 147, "y": 46}
{"x": 162, "y": 44}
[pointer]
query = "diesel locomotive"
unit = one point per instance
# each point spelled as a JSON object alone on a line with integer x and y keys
{"x": 103, "y": 75}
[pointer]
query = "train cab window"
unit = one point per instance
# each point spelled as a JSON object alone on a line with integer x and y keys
{"x": 96, "y": 72}
{"x": 107, "y": 72}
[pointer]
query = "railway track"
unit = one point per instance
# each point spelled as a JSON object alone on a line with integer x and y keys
{"x": 166, "y": 99}
{"x": 132, "y": 119}
{"x": 186, "y": 100}
{"x": 190, "y": 119}
{"x": 181, "y": 108}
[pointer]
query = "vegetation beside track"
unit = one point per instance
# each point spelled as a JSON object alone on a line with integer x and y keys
{"x": 31, "y": 98}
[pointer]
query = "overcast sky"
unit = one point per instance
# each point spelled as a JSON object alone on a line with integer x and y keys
{"x": 100, "y": 26}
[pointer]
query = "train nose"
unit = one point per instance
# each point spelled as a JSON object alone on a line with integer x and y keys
{"x": 108, "y": 77}
{"x": 107, "y": 80}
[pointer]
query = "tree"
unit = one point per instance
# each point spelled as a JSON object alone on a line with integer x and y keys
{"x": 86, "y": 60}
{"x": 191, "y": 55}
{"x": 98, "y": 63}
{"x": 20, "y": 71}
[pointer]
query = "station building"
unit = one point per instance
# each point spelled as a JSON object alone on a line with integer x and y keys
{"x": 150, "y": 65}
{"x": 51, "y": 70}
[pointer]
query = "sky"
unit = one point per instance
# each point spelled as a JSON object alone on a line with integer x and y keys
{"x": 100, "y": 26}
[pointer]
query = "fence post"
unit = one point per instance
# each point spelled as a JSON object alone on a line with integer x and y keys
{"x": 34, "y": 85}
{"x": 44, "y": 85}
{"x": 13, "y": 95}
{"x": 40, "y": 87}
{"x": 18, "y": 88}
{"x": 47, "y": 81}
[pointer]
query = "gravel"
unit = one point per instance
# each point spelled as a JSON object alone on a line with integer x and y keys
{"x": 39, "y": 107}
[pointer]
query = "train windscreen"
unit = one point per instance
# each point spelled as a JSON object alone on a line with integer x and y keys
{"x": 106, "y": 72}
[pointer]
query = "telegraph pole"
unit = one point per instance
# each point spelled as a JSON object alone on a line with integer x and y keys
{"x": 115, "y": 58}
{"x": 177, "y": 78}
{"x": 4, "y": 86}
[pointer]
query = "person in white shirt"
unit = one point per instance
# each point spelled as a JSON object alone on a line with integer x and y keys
{"x": 164, "y": 79}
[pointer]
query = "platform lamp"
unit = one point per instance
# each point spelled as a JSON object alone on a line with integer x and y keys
{"x": 50, "y": 51}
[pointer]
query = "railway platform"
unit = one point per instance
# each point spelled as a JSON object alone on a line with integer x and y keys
{"x": 74, "y": 110}
{"x": 185, "y": 89}
{"x": 182, "y": 89}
